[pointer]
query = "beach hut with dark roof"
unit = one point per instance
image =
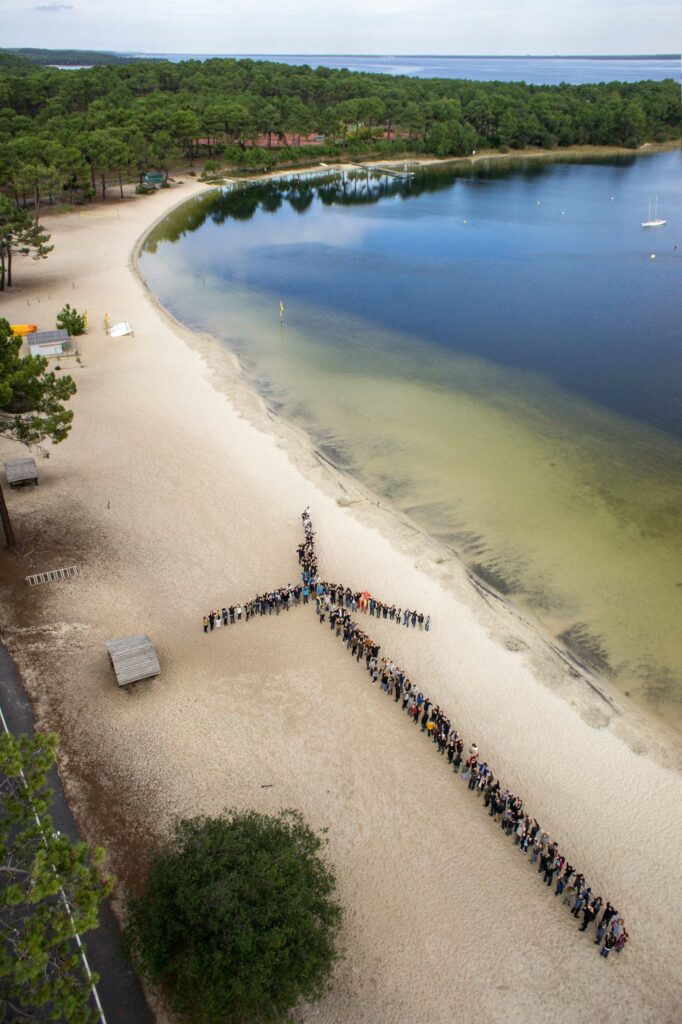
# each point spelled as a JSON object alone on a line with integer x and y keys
{"x": 48, "y": 343}
{"x": 133, "y": 658}
{"x": 21, "y": 471}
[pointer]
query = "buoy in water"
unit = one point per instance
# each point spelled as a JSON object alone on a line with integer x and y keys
{"x": 653, "y": 256}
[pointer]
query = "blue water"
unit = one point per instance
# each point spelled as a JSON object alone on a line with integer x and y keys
{"x": 494, "y": 353}
{"x": 534, "y": 70}
{"x": 545, "y": 268}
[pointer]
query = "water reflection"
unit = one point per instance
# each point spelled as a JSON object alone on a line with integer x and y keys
{"x": 347, "y": 188}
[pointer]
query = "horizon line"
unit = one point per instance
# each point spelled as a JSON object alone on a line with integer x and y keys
{"x": 310, "y": 53}
{"x": 460, "y": 56}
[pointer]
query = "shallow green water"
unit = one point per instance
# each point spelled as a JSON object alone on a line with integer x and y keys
{"x": 560, "y": 500}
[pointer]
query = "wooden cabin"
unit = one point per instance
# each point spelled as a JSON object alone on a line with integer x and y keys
{"x": 21, "y": 471}
{"x": 133, "y": 658}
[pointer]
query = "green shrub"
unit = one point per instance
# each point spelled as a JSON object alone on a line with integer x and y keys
{"x": 70, "y": 320}
{"x": 237, "y": 920}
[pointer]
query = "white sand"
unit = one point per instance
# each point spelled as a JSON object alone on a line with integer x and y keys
{"x": 177, "y": 491}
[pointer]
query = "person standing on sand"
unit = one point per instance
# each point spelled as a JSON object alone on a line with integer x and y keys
{"x": 427, "y": 623}
{"x": 205, "y": 624}
{"x": 589, "y": 913}
{"x": 596, "y": 903}
{"x": 609, "y": 912}
{"x": 581, "y": 900}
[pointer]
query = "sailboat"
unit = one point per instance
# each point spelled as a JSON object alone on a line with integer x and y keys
{"x": 655, "y": 221}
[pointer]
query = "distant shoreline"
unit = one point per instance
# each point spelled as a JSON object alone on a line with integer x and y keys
{"x": 228, "y": 176}
{"x": 422, "y": 56}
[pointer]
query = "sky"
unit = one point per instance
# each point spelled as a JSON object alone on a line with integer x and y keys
{"x": 494, "y": 27}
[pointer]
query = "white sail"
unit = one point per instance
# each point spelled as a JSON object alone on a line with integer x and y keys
{"x": 655, "y": 221}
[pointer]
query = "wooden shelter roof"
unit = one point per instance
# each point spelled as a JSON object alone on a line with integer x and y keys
{"x": 133, "y": 658}
{"x": 19, "y": 470}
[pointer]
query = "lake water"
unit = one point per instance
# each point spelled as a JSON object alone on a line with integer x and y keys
{"x": 493, "y": 352}
{"x": 534, "y": 70}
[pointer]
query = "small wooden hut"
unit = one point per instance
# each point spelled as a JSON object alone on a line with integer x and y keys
{"x": 133, "y": 658}
{"x": 21, "y": 471}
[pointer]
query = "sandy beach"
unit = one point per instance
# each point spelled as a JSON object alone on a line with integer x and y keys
{"x": 178, "y": 491}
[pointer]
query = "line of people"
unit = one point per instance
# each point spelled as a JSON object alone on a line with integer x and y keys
{"x": 283, "y": 598}
{"x": 506, "y": 809}
{"x": 335, "y": 603}
{"x": 275, "y": 601}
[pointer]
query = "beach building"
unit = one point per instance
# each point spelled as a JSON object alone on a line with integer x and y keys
{"x": 21, "y": 471}
{"x": 133, "y": 658}
{"x": 48, "y": 343}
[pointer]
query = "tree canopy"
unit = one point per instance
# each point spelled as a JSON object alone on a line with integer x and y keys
{"x": 237, "y": 919}
{"x": 31, "y": 403}
{"x": 31, "y": 398}
{"x": 42, "y": 874}
{"x": 66, "y": 133}
{"x": 19, "y": 233}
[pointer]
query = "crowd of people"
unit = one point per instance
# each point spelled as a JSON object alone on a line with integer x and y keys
{"x": 312, "y": 587}
{"x": 336, "y": 604}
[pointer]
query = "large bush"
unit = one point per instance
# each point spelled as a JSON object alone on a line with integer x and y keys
{"x": 69, "y": 319}
{"x": 237, "y": 920}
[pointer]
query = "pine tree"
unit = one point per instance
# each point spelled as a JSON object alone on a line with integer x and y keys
{"x": 19, "y": 233}
{"x": 50, "y": 888}
{"x": 31, "y": 404}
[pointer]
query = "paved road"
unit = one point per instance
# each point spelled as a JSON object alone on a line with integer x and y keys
{"x": 119, "y": 990}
